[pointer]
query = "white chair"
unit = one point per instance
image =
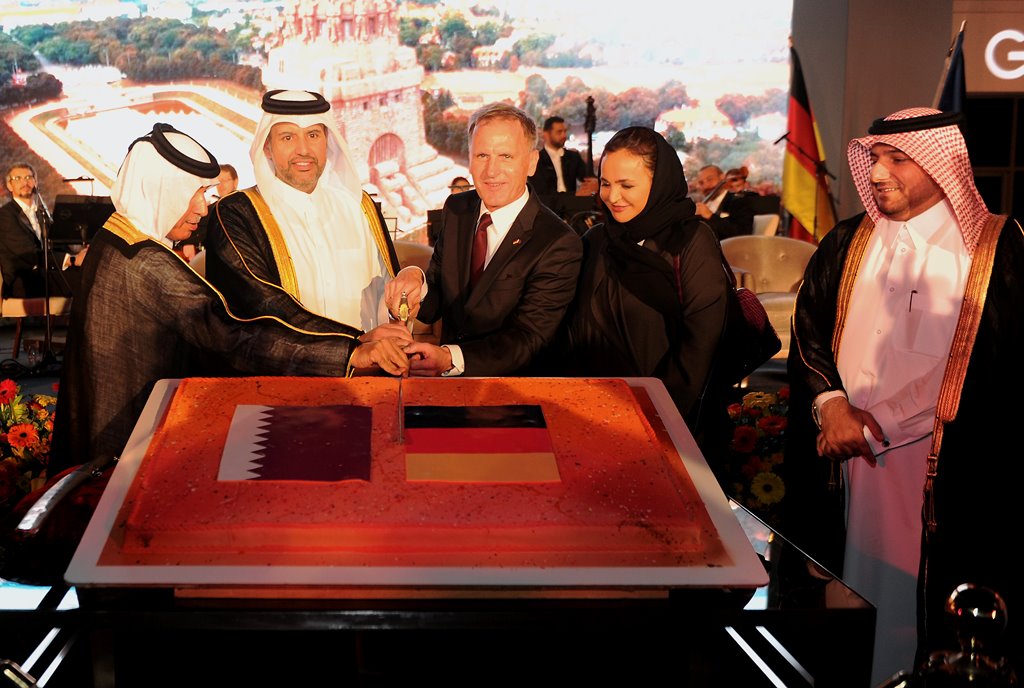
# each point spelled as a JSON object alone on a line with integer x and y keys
{"x": 772, "y": 267}
{"x": 766, "y": 225}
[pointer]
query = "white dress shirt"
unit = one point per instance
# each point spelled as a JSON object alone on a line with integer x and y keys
{"x": 33, "y": 217}
{"x": 556, "y": 159}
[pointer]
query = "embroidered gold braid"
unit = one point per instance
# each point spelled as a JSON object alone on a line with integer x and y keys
{"x": 121, "y": 226}
{"x": 960, "y": 352}
{"x": 378, "y": 230}
{"x": 282, "y": 258}
{"x": 850, "y": 271}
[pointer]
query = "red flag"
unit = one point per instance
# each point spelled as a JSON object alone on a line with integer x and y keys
{"x": 805, "y": 190}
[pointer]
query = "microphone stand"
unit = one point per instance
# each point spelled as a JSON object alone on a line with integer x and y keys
{"x": 45, "y": 222}
{"x": 820, "y": 172}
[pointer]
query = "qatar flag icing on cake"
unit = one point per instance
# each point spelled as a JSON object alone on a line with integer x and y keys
{"x": 322, "y": 443}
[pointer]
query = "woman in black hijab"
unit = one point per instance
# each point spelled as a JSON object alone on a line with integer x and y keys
{"x": 652, "y": 294}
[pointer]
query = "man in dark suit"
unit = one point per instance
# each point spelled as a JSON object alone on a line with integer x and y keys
{"x": 558, "y": 167}
{"x": 729, "y": 214}
{"x": 504, "y": 267}
{"x": 21, "y": 248}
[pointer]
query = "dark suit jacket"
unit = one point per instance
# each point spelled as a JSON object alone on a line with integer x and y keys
{"x": 545, "y": 181}
{"x": 521, "y": 297}
{"x": 21, "y": 258}
{"x": 734, "y": 217}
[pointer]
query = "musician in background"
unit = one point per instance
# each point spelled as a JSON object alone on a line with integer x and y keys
{"x": 558, "y": 168}
{"x": 736, "y": 181}
{"x": 728, "y": 213}
{"x": 21, "y": 241}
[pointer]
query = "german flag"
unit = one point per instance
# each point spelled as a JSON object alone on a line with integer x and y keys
{"x": 805, "y": 191}
{"x": 478, "y": 444}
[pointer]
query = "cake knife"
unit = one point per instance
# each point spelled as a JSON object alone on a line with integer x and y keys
{"x": 403, "y": 315}
{"x": 401, "y": 413}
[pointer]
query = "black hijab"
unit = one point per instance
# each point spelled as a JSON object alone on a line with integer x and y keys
{"x": 644, "y": 272}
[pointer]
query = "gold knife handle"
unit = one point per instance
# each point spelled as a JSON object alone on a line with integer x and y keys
{"x": 403, "y": 308}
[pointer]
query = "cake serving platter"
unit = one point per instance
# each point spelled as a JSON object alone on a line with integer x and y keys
{"x": 479, "y": 486}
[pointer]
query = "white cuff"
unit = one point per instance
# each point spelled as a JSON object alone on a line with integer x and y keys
{"x": 820, "y": 400}
{"x": 458, "y": 362}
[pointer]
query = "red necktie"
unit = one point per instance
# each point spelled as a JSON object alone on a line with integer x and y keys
{"x": 476, "y": 266}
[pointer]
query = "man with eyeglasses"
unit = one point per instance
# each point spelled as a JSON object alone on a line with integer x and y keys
{"x": 21, "y": 245}
{"x": 459, "y": 184}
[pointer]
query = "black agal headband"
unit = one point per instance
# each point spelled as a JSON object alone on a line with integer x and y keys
{"x": 207, "y": 169}
{"x": 279, "y": 106}
{"x": 880, "y": 127}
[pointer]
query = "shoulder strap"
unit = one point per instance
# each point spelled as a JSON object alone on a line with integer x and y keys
{"x": 379, "y": 233}
{"x": 849, "y": 278}
{"x": 960, "y": 352}
{"x": 278, "y": 247}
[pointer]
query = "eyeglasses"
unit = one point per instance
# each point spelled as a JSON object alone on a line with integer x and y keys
{"x": 18, "y": 178}
{"x": 461, "y": 187}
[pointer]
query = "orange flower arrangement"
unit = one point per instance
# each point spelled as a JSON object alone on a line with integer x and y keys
{"x": 25, "y": 429}
{"x": 752, "y": 474}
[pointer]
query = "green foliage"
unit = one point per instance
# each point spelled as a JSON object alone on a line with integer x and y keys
{"x": 677, "y": 139}
{"x": 146, "y": 49}
{"x": 429, "y": 56}
{"x": 640, "y": 106}
{"x": 11, "y": 53}
{"x": 488, "y": 33}
{"x": 37, "y": 88}
{"x": 411, "y": 29}
{"x": 533, "y": 44}
{"x": 746, "y": 149}
{"x": 445, "y": 130}
{"x": 453, "y": 26}
{"x": 740, "y": 108}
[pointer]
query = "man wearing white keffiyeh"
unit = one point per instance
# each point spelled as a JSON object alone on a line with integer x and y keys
{"x": 307, "y": 232}
{"x": 900, "y": 324}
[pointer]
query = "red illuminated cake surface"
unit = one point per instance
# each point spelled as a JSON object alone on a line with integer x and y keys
{"x": 619, "y": 494}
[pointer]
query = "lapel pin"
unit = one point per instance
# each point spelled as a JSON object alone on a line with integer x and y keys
{"x": 517, "y": 242}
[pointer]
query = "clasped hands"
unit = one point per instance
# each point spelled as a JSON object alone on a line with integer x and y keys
{"x": 391, "y": 346}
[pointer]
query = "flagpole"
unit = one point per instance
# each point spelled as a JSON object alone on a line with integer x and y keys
{"x": 945, "y": 68}
{"x": 821, "y": 175}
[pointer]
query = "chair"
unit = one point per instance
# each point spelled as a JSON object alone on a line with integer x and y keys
{"x": 772, "y": 267}
{"x": 766, "y": 225}
{"x": 415, "y": 253}
{"x": 32, "y": 307}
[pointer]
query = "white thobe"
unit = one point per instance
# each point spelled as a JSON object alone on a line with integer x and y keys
{"x": 899, "y": 328}
{"x": 340, "y": 271}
